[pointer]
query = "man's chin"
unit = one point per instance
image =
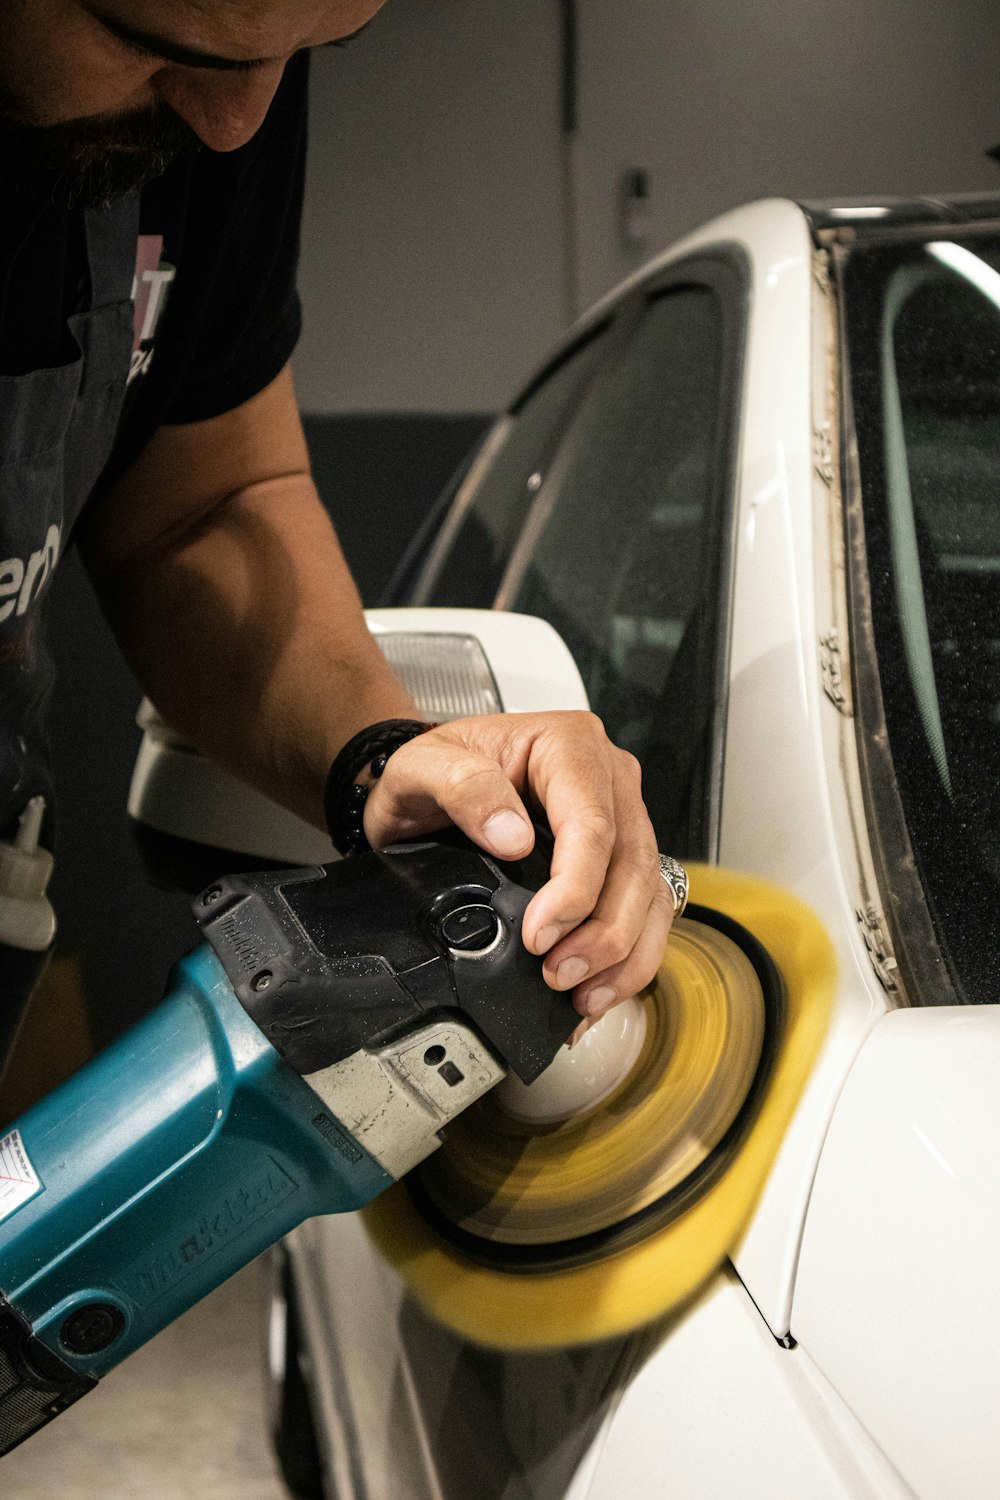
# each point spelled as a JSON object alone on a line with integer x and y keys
{"x": 91, "y": 163}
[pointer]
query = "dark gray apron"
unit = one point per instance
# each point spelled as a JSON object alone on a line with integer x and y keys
{"x": 57, "y": 430}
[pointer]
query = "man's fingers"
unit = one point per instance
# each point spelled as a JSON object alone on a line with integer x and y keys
{"x": 579, "y": 869}
{"x": 572, "y": 773}
{"x": 432, "y": 781}
{"x": 617, "y": 950}
{"x": 602, "y": 990}
{"x": 610, "y": 934}
{"x": 604, "y": 867}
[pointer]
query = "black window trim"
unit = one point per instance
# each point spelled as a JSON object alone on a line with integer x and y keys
{"x": 440, "y": 544}
{"x": 724, "y": 270}
{"x": 924, "y": 973}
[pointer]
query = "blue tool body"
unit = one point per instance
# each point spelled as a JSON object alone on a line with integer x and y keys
{"x": 166, "y": 1164}
{"x": 307, "y": 1055}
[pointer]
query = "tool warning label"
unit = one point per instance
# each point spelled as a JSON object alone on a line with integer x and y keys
{"x": 18, "y": 1178}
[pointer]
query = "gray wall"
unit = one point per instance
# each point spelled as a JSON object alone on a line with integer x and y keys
{"x": 729, "y": 100}
{"x": 431, "y": 272}
{"x": 434, "y": 274}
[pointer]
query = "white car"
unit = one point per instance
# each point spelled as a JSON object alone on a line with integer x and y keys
{"x": 756, "y": 492}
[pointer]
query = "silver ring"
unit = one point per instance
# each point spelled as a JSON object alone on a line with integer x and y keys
{"x": 674, "y": 873}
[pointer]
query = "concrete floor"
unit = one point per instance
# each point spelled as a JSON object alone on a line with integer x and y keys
{"x": 184, "y": 1417}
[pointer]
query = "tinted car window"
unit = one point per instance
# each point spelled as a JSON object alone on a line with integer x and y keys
{"x": 478, "y": 538}
{"x": 924, "y": 332}
{"x": 620, "y": 552}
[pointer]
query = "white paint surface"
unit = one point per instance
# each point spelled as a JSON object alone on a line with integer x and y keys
{"x": 715, "y": 1408}
{"x": 897, "y": 1297}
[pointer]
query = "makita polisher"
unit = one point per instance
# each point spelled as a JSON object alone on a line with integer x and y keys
{"x": 308, "y": 1055}
{"x": 311, "y": 1052}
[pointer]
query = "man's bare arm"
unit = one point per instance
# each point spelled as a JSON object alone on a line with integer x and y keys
{"x": 224, "y": 582}
{"x": 222, "y": 577}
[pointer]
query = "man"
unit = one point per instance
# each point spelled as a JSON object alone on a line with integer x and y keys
{"x": 156, "y": 148}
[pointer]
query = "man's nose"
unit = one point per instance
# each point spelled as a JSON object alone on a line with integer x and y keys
{"x": 223, "y": 109}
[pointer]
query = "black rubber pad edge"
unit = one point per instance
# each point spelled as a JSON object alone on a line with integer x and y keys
{"x": 564, "y": 1254}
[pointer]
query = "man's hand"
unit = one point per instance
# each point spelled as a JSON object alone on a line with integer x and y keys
{"x": 603, "y": 918}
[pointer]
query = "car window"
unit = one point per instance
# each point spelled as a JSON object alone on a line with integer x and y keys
{"x": 622, "y": 552}
{"x": 467, "y": 563}
{"x": 924, "y": 337}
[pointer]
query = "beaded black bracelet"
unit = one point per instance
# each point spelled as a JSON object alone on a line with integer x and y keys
{"x": 344, "y": 797}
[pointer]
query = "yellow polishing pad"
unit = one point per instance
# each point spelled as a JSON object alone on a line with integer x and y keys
{"x": 585, "y": 1229}
{"x": 513, "y": 1183}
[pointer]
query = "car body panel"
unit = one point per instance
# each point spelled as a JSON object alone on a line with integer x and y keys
{"x": 895, "y": 1299}
{"x": 367, "y": 1422}
{"x": 409, "y": 1411}
{"x": 787, "y": 808}
{"x": 782, "y": 541}
{"x": 715, "y": 1407}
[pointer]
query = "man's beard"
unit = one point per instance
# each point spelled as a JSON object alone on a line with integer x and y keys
{"x": 96, "y": 160}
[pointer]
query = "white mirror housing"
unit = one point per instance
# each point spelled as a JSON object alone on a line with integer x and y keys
{"x": 455, "y": 662}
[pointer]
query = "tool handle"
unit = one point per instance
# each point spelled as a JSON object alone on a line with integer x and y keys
{"x": 165, "y": 1165}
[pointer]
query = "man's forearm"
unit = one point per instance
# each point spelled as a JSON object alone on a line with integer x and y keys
{"x": 247, "y": 633}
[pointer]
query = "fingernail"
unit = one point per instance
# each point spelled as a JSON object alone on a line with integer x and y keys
{"x": 507, "y": 834}
{"x": 599, "y": 999}
{"x": 571, "y": 971}
{"x": 546, "y": 938}
{"x": 580, "y": 1032}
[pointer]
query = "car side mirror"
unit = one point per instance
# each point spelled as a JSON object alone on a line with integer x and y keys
{"x": 455, "y": 662}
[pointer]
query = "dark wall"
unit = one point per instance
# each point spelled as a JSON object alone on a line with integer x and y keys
{"x": 378, "y": 477}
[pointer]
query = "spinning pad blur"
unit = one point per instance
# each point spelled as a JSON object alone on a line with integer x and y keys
{"x": 503, "y": 1183}
{"x": 522, "y": 1237}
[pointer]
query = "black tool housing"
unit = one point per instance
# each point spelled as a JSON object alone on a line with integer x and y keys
{"x": 330, "y": 959}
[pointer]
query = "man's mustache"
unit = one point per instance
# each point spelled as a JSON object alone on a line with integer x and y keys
{"x": 156, "y": 128}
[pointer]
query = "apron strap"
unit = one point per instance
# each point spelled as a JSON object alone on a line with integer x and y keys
{"x": 112, "y": 235}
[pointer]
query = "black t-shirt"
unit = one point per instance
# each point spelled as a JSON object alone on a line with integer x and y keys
{"x": 217, "y": 313}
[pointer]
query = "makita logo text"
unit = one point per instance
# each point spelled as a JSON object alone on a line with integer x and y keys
{"x": 21, "y": 582}
{"x": 238, "y": 934}
{"x": 227, "y": 1220}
